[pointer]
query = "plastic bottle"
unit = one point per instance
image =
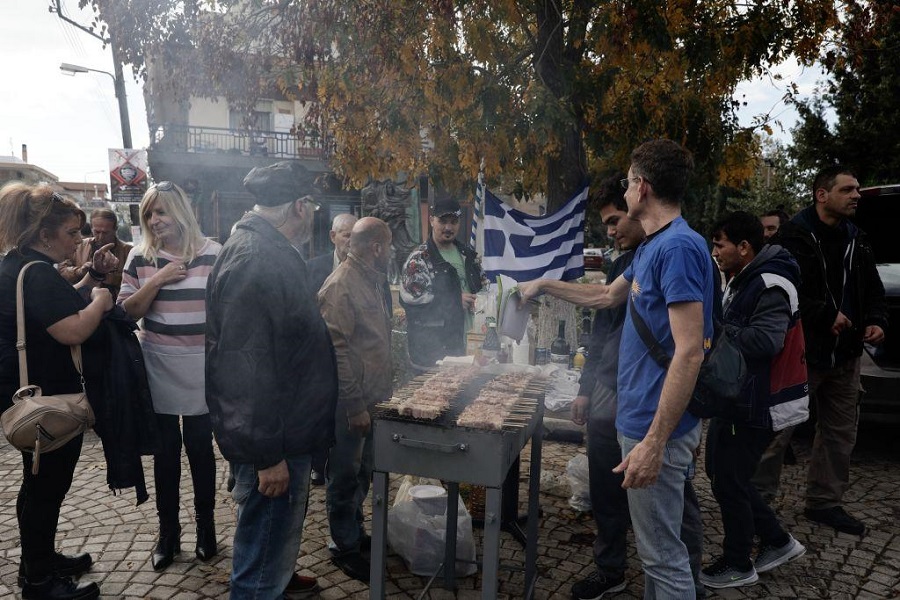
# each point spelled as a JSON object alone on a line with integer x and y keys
{"x": 490, "y": 349}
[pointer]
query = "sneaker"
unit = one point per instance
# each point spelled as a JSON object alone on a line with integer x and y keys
{"x": 596, "y": 586}
{"x": 354, "y": 565}
{"x": 720, "y": 575}
{"x": 836, "y": 517}
{"x": 770, "y": 556}
{"x": 300, "y": 587}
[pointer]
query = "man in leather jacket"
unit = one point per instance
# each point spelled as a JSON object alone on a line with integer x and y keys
{"x": 437, "y": 288}
{"x": 271, "y": 377}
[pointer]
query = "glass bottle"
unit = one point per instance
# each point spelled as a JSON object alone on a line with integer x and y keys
{"x": 559, "y": 349}
{"x": 584, "y": 340}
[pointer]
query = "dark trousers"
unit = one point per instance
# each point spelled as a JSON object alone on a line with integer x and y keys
{"x": 198, "y": 444}
{"x": 732, "y": 454}
{"x": 39, "y": 502}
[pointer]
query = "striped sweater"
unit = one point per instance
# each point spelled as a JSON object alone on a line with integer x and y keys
{"x": 172, "y": 331}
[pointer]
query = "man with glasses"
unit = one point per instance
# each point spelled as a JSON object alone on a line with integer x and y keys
{"x": 271, "y": 378}
{"x": 437, "y": 289}
{"x": 671, "y": 282}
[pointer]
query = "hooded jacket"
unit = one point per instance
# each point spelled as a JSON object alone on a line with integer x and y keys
{"x": 862, "y": 297}
{"x": 761, "y": 313}
{"x": 271, "y": 375}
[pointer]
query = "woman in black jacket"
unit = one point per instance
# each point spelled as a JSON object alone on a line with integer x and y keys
{"x": 36, "y": 224}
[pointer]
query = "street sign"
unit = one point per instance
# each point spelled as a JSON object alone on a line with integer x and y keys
{"x": 127, "y": 174}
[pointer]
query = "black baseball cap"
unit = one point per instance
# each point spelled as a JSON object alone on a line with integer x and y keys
{"x": 446, "y": 205}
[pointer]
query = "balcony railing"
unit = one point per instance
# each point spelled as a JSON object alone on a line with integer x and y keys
{"x": 220, "y": 140}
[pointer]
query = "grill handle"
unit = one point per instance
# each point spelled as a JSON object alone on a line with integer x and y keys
{"x": 423, "y": 445}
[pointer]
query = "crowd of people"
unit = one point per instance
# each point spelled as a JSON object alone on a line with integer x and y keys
{"x": 280, "y": 361}
{"x": 800, "y": 302}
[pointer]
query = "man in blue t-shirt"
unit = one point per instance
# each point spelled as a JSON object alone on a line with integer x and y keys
{"x": 671, "y": 281}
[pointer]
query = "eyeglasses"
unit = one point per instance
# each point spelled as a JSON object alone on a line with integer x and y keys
{"x": 315, "y": 205}
{"x": 164, "y": 186}
{"x": 57, "y": 197}
{"x": 624, "y": 182}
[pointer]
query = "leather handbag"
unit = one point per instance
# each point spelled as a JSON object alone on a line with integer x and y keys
{"x": 37, "y": 423}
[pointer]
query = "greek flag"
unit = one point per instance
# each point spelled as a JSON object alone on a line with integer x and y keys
{"x": 525, "y": 247}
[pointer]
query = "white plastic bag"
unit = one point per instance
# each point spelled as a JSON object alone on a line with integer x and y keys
{"x": 417, "y": 529}
{"x": 579, "y": 480}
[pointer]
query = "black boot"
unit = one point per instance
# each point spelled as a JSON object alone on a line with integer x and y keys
{"x": 59, "y": 588}
{"x": 167, "y": 547}
{"x": 65, "y": 566}
{"x": 206, "y": 538}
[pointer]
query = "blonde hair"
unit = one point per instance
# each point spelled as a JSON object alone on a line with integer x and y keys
{"x": 175, "y": 202}
{"x": 25, "y": 210}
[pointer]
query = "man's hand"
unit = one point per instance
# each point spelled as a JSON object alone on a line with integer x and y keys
{"x": 528, "y": 291}
{"x": 641, "y": 466}
{"x": 841, "y": 322}
{"x": 360, "y": 424}
{"x": 580, "y": 409}
{"x": 873, "y": 335}
{"x": 468, "y": 301}
{"x": 274, "y": 481}
{"x": 105, "y": 261}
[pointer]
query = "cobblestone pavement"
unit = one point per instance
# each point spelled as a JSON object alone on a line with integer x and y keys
{"x": 120, "y": 537}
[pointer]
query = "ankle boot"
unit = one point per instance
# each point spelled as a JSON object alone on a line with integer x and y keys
{"x": 206, "y": 538}
{"x": 167, "y": 547}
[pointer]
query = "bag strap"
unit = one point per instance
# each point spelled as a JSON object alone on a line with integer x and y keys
{"x": 20, "y": 332}
{"x": 656, "y": 351}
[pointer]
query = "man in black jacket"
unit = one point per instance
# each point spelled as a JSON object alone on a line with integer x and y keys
{"x": 271, "y": 377}
{"x": 322, "y": 266}
{"x": 761, "y": 313}
{"x": 437, "y": 289}
{"x": 843, "y": 307}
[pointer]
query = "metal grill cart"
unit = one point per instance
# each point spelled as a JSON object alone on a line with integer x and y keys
{"x": 443, "y": 450}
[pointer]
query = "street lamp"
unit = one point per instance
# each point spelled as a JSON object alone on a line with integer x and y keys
{"x": 119, "y": 84}
{"x": 84, "y": 189}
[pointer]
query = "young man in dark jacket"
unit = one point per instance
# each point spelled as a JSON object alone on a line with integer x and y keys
{"x": 437, "y": 289}
{"x": 762, "y": 315}
{"x": 843, "y": 306}
{"x": 271, "y": 377}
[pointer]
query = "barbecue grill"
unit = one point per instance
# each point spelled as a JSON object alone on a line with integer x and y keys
{"x": 443, "y": 450}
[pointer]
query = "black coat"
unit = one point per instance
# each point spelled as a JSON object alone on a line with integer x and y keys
{"x": 319, "y": 268}
{"x": 818, "y": 304}
{"x": 126, "y": 423}
{"x": 271, "y": 374}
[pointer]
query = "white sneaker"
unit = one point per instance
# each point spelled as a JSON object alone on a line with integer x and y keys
{"x": 770, "y": 557}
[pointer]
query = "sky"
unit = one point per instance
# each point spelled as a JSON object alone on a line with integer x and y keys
{"x": 70, "y": 122}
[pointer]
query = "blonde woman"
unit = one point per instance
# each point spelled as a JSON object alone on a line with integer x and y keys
{"x": 164, "y": 283}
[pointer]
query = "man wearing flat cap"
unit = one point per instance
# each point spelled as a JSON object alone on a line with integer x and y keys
{"x": 437, "y": 289}
{"x": 271, "y": 378}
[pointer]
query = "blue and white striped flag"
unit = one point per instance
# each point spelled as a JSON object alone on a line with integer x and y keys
{"x": 525, "y": 247}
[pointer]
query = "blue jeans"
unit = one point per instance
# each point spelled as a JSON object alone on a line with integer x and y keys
{"x": 268, "y": 532}
{"x": 349, "y": 475}
{"x": 657, "y": 513}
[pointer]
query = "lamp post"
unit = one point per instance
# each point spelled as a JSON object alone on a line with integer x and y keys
{"x": 84, "y": 189}
{"x": 119, "y": 84}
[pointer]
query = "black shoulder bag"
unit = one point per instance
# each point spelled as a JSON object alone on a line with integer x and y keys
{"x": 722, "y": 374}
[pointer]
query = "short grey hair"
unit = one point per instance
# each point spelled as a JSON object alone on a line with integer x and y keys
{"x": 343, "y": 221}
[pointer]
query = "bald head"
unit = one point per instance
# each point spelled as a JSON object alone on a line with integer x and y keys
{"x": 370, "y": 241}
{"x": 341, "y": 226}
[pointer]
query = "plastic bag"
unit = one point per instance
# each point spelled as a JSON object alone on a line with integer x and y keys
{"x": 416, "y": 531}
{"x": 579, "y": 480}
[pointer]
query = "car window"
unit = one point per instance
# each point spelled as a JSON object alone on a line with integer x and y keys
{"x": 878, "y": 215}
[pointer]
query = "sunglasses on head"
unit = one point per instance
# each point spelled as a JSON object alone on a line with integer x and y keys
{"x": 164, "y": 186}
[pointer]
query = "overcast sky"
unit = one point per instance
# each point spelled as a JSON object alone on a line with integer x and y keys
{"x": 69, "y": 122}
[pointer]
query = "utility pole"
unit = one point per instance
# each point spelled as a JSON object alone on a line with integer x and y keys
{"x": 118, "y": 78}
